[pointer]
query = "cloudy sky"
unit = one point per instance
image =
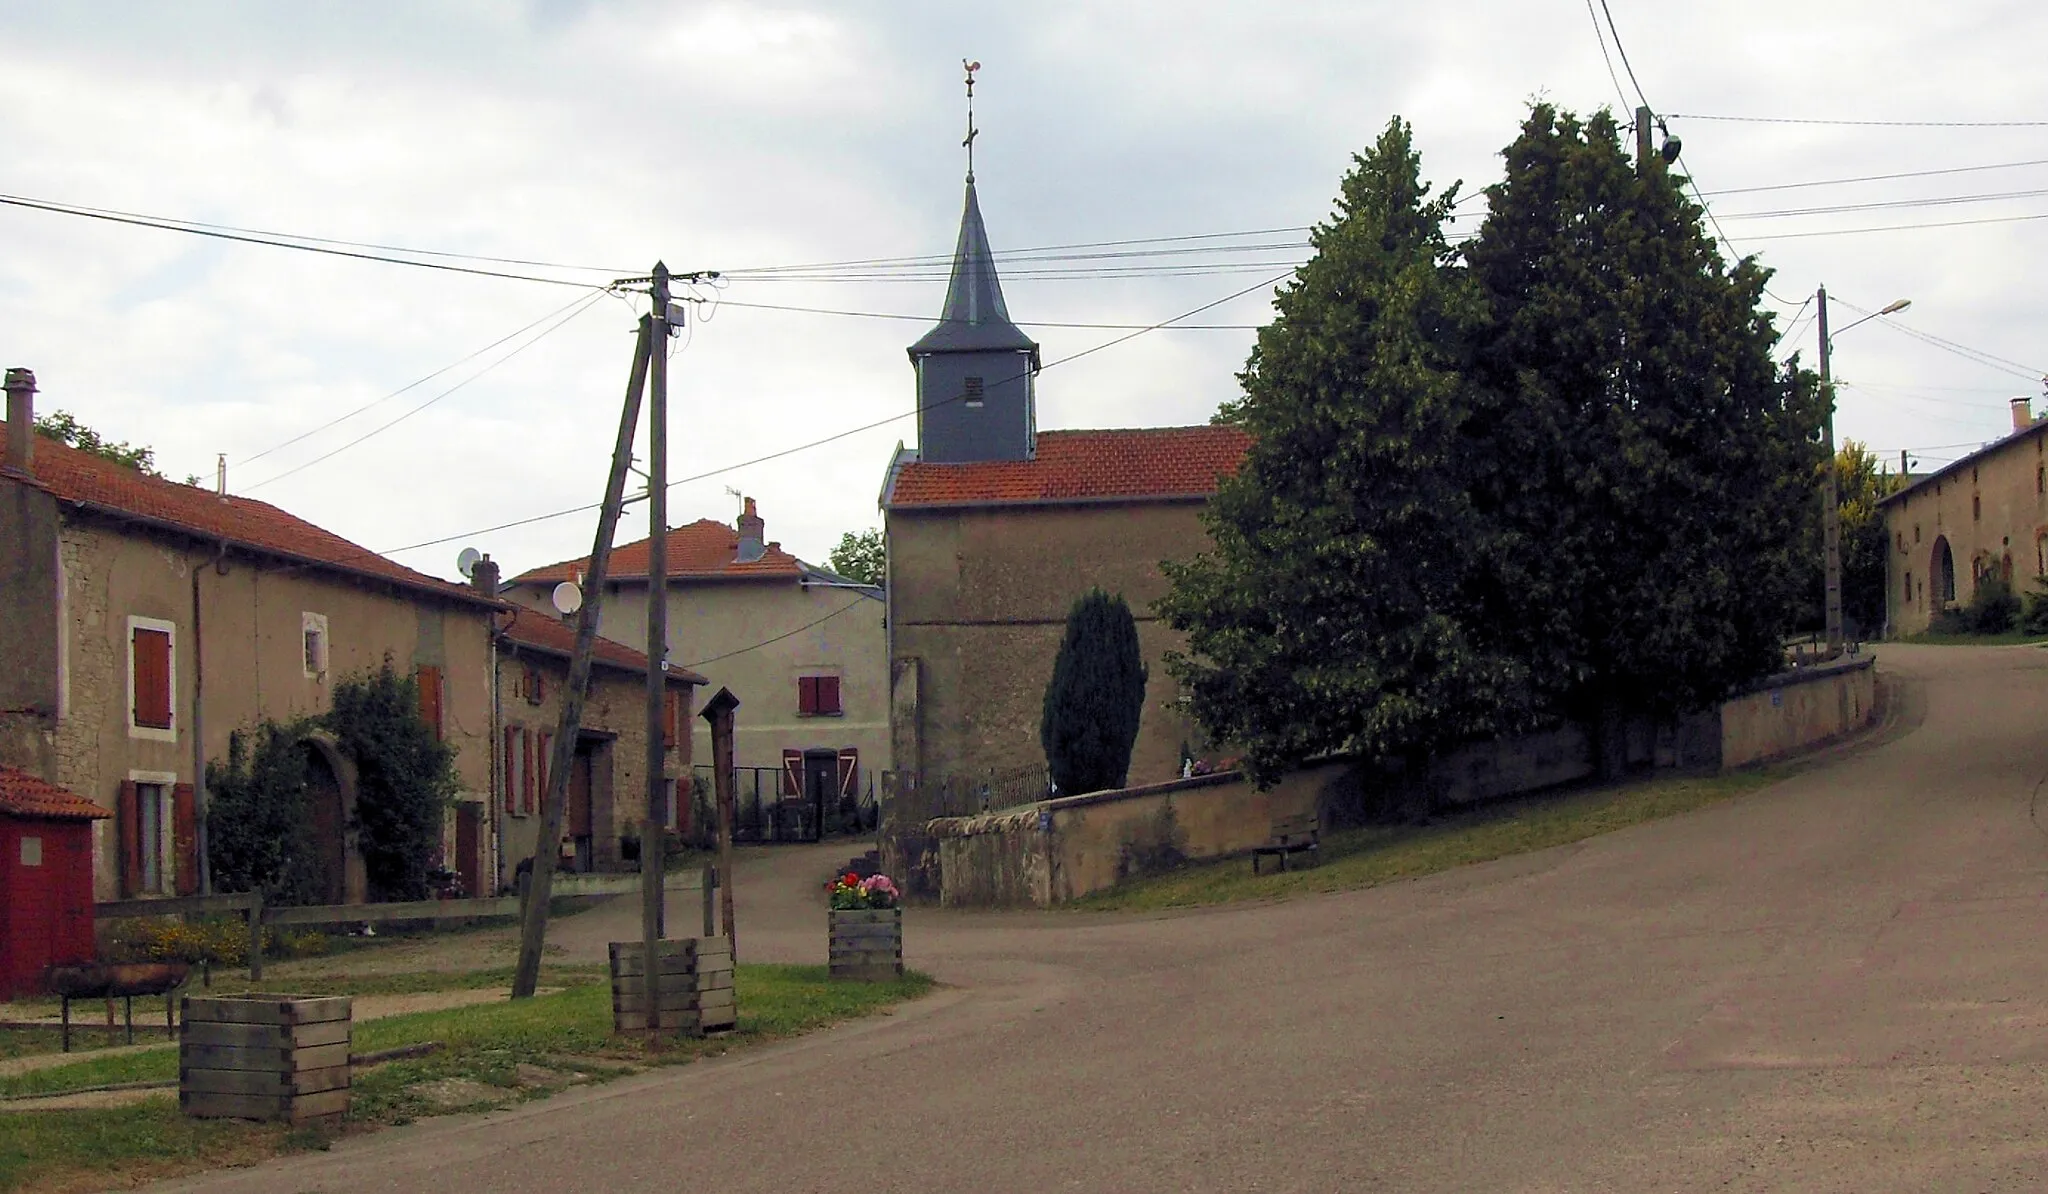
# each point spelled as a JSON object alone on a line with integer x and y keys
{"x": 598, "y": 137}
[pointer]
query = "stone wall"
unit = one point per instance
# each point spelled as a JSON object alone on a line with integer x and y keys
{"x": 1797, "y": 710}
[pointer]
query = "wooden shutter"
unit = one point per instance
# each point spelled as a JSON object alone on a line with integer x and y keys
{"x": 828, "y": 695}
{"x": 544, "y": 759}
{"x": 671, "y": 717}
{"x": 151, "y": 651}
{"x": 792, "y": 773}
{"x": 185, "y": 838}
{"x": 526, "y": 776}
{"x": 430, "y": 697}
{"x": 849, "y": 772}
{"x": 128, "y": 827}
{"x": 806, "y": 696}
{"x": 508, "y": 771}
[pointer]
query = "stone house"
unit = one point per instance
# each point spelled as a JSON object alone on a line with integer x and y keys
{"x": 802, "y": 648}
{"x": 1986, "y": 512}
{"x": 607, "y": 790}
{"x": 142, "y": 621}
{"x": 992, "y": 529}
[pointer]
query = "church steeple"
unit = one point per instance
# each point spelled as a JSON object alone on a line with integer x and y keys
{"x": 975, "y": 370}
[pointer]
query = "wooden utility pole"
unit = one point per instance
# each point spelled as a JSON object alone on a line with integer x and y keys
{"x": 653, "y": 830}
{"x": 1643, "y": 118}
{"x": 533, "y": 926}
{"x": 1830, "y": 491}
{"x": 719, "y": 712}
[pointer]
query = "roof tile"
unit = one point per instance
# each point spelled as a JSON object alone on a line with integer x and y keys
{"x": 704, "y": 549}
{"x": 25, "y": 795}
{"x": 1127, "y": 464}
{"x": 537, "y": 630}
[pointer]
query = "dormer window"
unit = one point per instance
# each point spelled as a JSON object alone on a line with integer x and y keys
{"x": 971, "y": 390}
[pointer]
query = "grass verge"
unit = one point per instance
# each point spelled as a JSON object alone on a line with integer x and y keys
{"x": 2010, "y": 638}
{"x": 1368, "y": 857}
{"x": 495, "y": 1055}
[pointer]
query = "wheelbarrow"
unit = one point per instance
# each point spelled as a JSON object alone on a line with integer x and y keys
{"x": 116, "y": 980}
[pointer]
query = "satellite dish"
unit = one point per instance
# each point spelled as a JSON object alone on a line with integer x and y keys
{"x": 567, "y": 598}
{"x": 465, "y": 561}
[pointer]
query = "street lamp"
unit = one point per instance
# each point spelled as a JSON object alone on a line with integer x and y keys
{"x": 1831, "y": 495}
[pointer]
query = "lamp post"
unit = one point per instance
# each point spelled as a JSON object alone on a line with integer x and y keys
{"x": 1831, "y": 491}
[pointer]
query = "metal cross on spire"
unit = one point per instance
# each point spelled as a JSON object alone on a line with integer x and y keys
{"x": 972, "y": 132}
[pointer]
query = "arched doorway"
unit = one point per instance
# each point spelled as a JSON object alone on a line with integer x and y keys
{"x": 1942, "y": 571}
{"x": 331, "y": 795}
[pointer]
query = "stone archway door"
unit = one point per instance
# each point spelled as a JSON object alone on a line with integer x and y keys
{"x": 332, "y": 791}
{"x": 1942, "y": 571}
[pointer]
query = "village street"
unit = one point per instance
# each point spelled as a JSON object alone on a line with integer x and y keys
{"x": 1838, "y": 983}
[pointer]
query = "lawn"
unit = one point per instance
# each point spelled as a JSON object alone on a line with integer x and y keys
{"x": 1368, "y": 857}
{"x": 493, "y": 1055}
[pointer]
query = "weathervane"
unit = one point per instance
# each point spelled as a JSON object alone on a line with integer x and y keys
{"x": 972, "y": 132}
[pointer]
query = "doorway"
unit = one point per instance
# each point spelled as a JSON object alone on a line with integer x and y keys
{"x": 581, "y": 838}
{"x": 469, "y": 846}
{"x": 1943, "y": 570}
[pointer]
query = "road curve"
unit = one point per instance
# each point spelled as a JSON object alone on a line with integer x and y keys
{"x": 1838, "y": 983}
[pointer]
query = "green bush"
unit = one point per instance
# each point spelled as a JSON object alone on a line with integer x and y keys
{"x": 1994, "y": 607}
{"x": 1096, "y": 696}
{"x": 259, "y": 823}
{"x": 2034, "y": 614}
{"x": 219, "y": 940}
{"x": 405, "y": 779}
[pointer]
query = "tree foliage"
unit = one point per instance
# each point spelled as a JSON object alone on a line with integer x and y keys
{"x": 1559, "y": 474}
{"x": 66, "y": 429}
{"x": 1334, "y": 611}
{"x": 405, "y": 778}
{"x": 259, "y": 818}
{"x": 860, "y": 557}
{"x": 1095, "y": 698}
{"x": 1866, "y": 545}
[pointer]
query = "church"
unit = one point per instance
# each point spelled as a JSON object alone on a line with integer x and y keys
{"x": 993, "y": 527}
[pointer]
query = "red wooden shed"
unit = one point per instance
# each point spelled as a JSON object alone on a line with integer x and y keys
{"x": 45, "y": 880}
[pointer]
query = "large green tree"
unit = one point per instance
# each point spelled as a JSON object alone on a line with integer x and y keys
{"x": 65, "y": 428}
{"x": 860, "y": 556}
{"x": 1096, "y": 697}
{"x": 1866, "y": 546}
{"x": 1334, "y": 611}
{"x": 1645, "y": 462}
{"x": 259, "y": 823}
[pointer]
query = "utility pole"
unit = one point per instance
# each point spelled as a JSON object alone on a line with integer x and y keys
{"x": 653, "y": 830}
{"x": 1643, "y": 141}
{"x": 1830, "y": 493}
{"x": 533, "y": 927}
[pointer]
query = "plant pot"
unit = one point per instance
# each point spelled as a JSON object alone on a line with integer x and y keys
{"x": 866, "y": 943}
{"x": 695, "y": 986}
{"x": 260, "y": 1056}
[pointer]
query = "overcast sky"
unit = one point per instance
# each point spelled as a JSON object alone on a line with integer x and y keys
{"x": 603, "y": 136}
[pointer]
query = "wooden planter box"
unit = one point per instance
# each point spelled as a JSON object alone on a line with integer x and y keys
{"x": 275, "y": 1057}
{"x": 696, "y": 993}
{"x": 867, "y": 943}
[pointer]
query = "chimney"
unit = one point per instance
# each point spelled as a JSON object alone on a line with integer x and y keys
{"x": 2022, "y": 413}
{"x": 484, "y": 577}
{"x": 751, "y": 528}
{"x": 21, "y": 421}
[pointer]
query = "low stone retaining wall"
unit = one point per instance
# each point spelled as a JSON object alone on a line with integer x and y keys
{"x": 1038, "y": 855}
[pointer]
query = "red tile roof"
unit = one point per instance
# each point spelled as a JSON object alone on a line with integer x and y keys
{"x": 1131, "y": 464}
{"x": 24, "y": 795}
{"x": 542, "y": 632}
{"x": 80, "y": 477}
{"x": 703, "y": 550}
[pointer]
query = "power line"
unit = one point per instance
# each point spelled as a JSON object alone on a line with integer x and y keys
{"x": 1833, "y": 182}
{"x": 1897, "y": 227}
{"x": 1889, "y": 204}
{"x": 1105, "y": 327}
{"x": 412, "y": 385}
{"x": 1016, "y": 254}
{"x": 585, "y": 305}
{"x": 778, "y": 638}
{"x": 1604, "y": 57}
{"x": 217, "y": 234}
{"x": 1915, "y": 124}
{"x": 852, "y": 431}
{"x": 1623, "y": 51}
{"x": 1990, "y": 360}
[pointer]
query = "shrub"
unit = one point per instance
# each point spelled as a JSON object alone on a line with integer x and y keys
{"x": 220, "y": 941}
{"x": 2034, "y": 615}
{"x": 1095, "y": 698}
{"x": 1993, "y": 607}
{"x": 405, "y": 779}
{"x": 259, "y": 825}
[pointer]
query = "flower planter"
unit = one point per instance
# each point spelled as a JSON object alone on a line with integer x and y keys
{"x": 275, "y": 1057}
{"x": 695, "y": 993}
{"x": 867, "y": 943}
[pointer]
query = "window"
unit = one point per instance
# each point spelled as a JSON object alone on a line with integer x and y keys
{"x": 1976, "y": 508}
{"x": 518, "y": 772}
{"x": 152, "y": 679}
{"x": 1909, "y": 588}
{"x": 2040, "y": 477}
{"x": 313, "y": 635}
{"x": 533, "y": 686}
{"x": 31, "y": 851}
{"x": 817, "y": 696}
{"x": 429, "y": 678}
{"x": 1899, "y": 538}
{"x": 148, "y": 825}
{"x": 971, "y": 390}
{"x": 151, "y": 831}
{"x": 671, "y": 717}
{"x": 1916, "y": 532}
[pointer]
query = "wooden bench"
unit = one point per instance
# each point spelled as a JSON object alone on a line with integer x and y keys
{"x": 1291, "y": 835}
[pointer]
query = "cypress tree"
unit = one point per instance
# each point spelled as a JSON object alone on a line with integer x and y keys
{"x": 1096, "y": 696}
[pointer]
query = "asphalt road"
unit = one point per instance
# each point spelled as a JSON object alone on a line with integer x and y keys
{"x": 1835, "y": 984}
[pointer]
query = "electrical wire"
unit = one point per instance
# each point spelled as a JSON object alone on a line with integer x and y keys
{"x": 1915, "y": 124}
{"x": 1835, "y": 182}
{"x": 778, "y": 638}
{"x": 1604, "y": 56}
{"x": 1623, "y": 51}
{"x": 412, "y": 385}
{"x": 586, "y": 304}
{"x": 833, "y": 438}
{"x": 1105, "y": 327}
{"x": 196, "y": 230}
{"x": 1888, "y": 204}
{"x": 2018, "y": 368}
{"x": 1897, "y": 227}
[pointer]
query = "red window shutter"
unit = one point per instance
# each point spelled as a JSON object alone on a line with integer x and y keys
{"x": 526, "y": 784}
{"x": 508, "y": 771}
{"x": 152, "y": 661}
{"x": 128, "y": 825}
{"x": 430, "y": 697}
{"x": 806, "y": 696}
{"x": 185, "y": 838}
{"x": 671, "y": 717}
{"x": 544, "y": 754}
{"x": 828, "y": 694}
{"x": 849, "y": 771}
{"x": 792, "y": 773}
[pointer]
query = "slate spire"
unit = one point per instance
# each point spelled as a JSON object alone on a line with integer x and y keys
{"x": 974, "y": 318}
